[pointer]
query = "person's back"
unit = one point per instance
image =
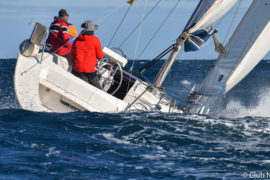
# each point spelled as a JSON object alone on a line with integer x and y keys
{"x": 58, "y": 37}
{"x": 86, "y": 50}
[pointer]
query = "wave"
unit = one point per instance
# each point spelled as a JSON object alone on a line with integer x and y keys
{"x": 260, "y": 108}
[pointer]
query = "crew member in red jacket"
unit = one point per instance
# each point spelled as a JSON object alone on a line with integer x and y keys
{"x": 58, "y": 38}
{"x": 85, "y": 51}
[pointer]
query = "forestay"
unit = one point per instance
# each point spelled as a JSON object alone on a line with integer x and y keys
{"x": 248, "y": 45}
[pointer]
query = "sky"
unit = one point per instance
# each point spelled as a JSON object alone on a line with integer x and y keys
{"x": 15, "y": 16}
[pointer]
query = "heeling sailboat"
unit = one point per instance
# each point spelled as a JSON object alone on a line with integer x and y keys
{"x": 42, "y": 82}
{"x": 247, "y": 46}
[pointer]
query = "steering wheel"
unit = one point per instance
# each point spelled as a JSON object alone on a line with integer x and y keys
{"x": 106, "y": 69}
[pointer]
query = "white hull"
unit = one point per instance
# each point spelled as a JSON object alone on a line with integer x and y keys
{"x": 47, "y": 86}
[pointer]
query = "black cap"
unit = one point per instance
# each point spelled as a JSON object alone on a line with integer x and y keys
{"x": 63, "y": 13}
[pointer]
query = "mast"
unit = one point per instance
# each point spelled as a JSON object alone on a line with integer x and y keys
{"x": 170, "y": 60}
{"x": 196, "y": 32}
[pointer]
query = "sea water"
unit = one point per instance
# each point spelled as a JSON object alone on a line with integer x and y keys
{"x": 141, "y": 145}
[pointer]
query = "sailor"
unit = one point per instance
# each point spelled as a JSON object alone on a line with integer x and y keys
{"x": 58, "y": 38}
{"x": 85, "y": 51}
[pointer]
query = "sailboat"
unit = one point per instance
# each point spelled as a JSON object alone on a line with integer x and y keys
{"x": 42, "y": 81}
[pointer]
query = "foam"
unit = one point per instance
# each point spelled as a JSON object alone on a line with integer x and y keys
{"x": 109, "y": 136}
{"x": 262, "y": 109}
{"x": 186, "y": 82}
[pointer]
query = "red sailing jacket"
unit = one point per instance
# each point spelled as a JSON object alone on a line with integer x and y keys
{"x": 59, "y": 37}
{"x": 85, "y": 51}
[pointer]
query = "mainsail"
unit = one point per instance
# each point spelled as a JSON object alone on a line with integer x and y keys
{"x": 196, "y": 32}
{"x": 205, "y": 15}
{"x": 247, "y": 46}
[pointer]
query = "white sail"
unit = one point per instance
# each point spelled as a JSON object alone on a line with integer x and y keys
{"x": 196, "y": 33}
{"x": 200, "y": 25}
{"x": 207, "y": 13}
{"x": 248, "y": 45}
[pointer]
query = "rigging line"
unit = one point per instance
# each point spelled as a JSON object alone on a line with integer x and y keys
{"x": 156, "y": 59}
{"x": 111, "y": 13}
{"x": 233, "y": 21}
{"x": 175, "y": 6}
{"x": 129, "y": 35}
{"x": 121, "y": 22}
{"x": 140, "y": 31}
{"x": 137, "y": 44}
{"x": 131, "y": 104}
{"x": 180, "y": 96}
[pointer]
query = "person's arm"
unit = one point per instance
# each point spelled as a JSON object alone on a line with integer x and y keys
{"x": 99, "y": 51}
{"x": 65, "y": 37}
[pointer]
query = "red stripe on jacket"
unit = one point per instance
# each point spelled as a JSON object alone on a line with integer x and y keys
{"x": 59, "y": 38}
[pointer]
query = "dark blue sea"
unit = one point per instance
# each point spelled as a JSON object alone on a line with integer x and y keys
{"x": 141, "y": 145}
